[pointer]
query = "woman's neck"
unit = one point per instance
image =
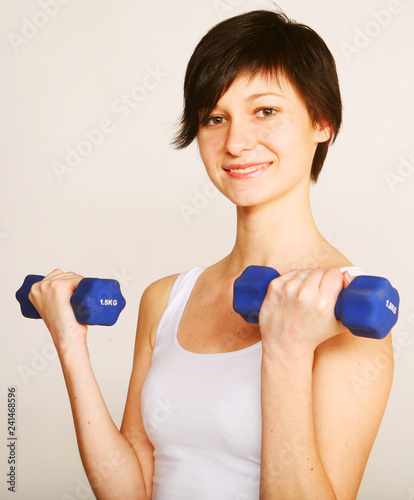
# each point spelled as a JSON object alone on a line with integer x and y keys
{"x": 281, "y": 234}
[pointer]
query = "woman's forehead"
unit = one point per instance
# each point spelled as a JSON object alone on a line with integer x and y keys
{"x": 254, "y": 84}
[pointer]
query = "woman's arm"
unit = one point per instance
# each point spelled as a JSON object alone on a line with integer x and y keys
{"x": 116, "y": 466}
{"x": 110, "y": 462}
{"x": 319, "y": 420}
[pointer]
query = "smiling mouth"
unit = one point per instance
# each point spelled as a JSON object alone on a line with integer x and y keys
{"x": 250, "y": 170}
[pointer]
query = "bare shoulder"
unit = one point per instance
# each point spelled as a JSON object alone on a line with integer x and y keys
{"x": 323, "y": 254}
{"x": 153, "y": 303}
{"x": 155, "y": 296}
{"x": 332, "y": 257}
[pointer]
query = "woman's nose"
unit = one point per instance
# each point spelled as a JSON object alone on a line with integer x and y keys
{"x": 240, "y": 138}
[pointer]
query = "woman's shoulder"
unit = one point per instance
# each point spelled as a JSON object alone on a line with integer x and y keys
{"x": 153, "y": 303}
{"x": 329, "y": 256}
{"x": 155, "y": 296}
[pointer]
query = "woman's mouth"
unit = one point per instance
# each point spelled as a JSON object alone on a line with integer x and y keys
{"x": 247, "y": 170}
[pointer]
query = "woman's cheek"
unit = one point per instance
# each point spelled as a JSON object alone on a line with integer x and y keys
{"x": 216, "y": 145}
{"x": 209, "y": 148}
{"x": 274, "y": 135}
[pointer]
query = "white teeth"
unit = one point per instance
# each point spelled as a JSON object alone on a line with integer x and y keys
{"x": 248, "y": 169}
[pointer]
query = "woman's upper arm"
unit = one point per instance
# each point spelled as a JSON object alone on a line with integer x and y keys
{"x": 152, "y": 306}
{"x": 352, "y": 380}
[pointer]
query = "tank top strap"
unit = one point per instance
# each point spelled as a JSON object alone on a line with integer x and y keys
{"x": 179, "y": 295}
{"x": 352, "y": 270}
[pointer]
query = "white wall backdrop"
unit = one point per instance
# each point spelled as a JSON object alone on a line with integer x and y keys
{"x": 90, "y": 92}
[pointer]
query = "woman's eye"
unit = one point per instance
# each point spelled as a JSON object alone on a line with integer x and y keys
{"x": 266, "y": 112}
{"x": 215, "y": 120}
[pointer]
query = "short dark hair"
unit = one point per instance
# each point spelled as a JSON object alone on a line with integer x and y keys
{"x": 268, "y": 42}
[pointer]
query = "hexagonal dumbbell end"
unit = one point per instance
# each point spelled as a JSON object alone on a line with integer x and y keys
{"x": 368, "y": 306}
{"x": 22, "y": 295}
{"x": 250, "y": 289}
{"x": 97, "y": 301}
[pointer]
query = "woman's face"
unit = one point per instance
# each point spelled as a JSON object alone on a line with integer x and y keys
{"x": 258, "y": 143}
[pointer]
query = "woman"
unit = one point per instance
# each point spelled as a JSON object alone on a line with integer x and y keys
{"x": 218, "y": 408}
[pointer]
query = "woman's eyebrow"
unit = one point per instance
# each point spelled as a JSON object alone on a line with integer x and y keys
{"x": 256, "y": 96}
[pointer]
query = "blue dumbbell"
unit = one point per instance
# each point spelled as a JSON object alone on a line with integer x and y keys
{"x": 95, "y": 301}
{"x": 368, "y": 306}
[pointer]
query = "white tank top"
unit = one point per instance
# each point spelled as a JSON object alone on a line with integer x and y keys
{"x": 202, "y": 413}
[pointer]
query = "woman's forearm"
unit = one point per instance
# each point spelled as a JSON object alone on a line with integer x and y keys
{"x": 109, "y": 460}
{"x": 291, "y": 466}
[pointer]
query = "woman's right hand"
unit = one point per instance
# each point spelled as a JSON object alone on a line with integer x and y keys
{"x": 51, "y": 298}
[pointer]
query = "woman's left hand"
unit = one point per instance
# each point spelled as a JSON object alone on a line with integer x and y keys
{"x": 297, "y": 313}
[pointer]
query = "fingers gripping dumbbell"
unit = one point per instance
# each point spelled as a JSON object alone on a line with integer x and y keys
{"x": 368, "y": 306}
{"x": 95, "y": 301}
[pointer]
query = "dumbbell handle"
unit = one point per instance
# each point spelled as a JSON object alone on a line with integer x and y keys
{"x": 95, "y": 301}
{"x": 368, "y": 306}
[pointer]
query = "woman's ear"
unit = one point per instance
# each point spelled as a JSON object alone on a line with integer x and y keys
{"x": 323, "y": 131}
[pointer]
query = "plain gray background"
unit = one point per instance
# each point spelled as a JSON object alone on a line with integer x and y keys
{"x": 121, "y": 203}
